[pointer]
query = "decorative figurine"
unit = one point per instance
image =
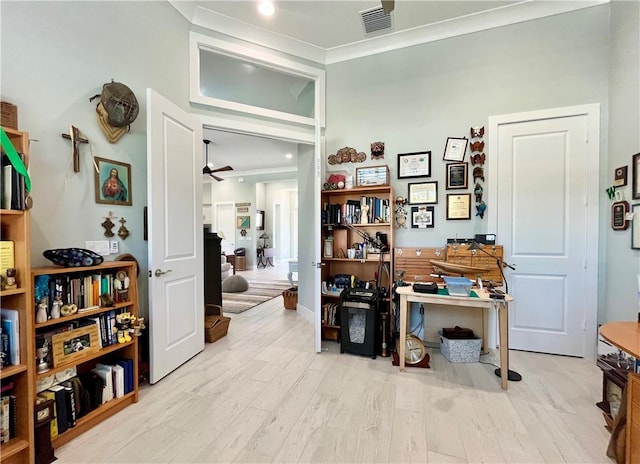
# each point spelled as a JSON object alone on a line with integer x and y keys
{"x": 41, "y": 313}
{"x": 10, "y": 282}
{"x": 401, "y": 213}
{"x": 477, "y": 146}
{"x": 108, "y": 225}
{"x": 478, "y": 158}
{"x": 364, "y": 215}
{"x": 477, "y": 132}
{"x": 123, "y": 327}
{"x": 138, "y": 326}
{"x": 377, "y": 150}
{"x": 478, "y": 173}
{"x": 42, "y": 354}
{"x": 478, "y": 191}
{"x": 123, "y": 232}
{"x": 56, "y": 308}
{"x": 121, "y": 284}
{"x": 481, "y": 208}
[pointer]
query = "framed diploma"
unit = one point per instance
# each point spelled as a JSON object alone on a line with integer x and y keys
{"x": 458, "y": 206}
{"x": 414, "y": 165}
{"x": 455, "y": 149}
{"x": 457, "y": 176}
{"x": 423, "y": 192}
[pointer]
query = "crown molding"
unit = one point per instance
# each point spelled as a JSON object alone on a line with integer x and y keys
{"x": 526, "y": 10}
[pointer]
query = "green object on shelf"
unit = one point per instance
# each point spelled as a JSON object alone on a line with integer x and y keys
{"x": 14, "y": 158}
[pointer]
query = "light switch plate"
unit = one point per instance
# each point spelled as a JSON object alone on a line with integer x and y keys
{"x": 98, "y": 246}
{"x": 113, "y": 247}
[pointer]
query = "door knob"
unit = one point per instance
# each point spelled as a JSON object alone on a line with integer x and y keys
{"x": 158, "y": 272}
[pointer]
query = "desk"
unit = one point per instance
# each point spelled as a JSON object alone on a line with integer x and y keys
{"x": 293, "y": 267}
{"x": 407, "y": 295}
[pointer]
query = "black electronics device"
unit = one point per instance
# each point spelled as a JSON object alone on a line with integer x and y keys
{"x": 486, "y": 239}
{"x": 426, "y": 287}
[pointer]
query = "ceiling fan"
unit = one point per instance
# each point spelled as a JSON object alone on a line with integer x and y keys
{"x": 207, "y": 170}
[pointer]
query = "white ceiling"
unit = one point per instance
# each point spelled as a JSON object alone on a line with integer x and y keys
{"x": 332, "y": 30}
{"x": 333, "y": 23}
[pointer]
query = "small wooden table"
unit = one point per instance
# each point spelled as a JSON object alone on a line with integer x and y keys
{"x": 407, "y": 295}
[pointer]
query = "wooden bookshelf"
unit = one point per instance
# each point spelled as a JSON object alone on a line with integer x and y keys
{"x": 15, "y": 226}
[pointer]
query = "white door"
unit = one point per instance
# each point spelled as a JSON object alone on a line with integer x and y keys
{"x": 225, "y": 221}
{"x": 545, "y": 170}
{"x": 174, "y": 191}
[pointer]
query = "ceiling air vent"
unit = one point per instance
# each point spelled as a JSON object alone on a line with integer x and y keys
{"x": 375, "y": 19}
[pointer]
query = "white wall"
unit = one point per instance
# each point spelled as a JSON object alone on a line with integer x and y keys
{"x": 414, "y": 98}
{"x": 623, "y": 263}
{"x": 55, "y": 56}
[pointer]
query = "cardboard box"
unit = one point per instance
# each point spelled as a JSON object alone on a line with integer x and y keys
{"x": 459, "y": 351}
{"x": 215, "y": 327}
{"x": 8, "y": 115}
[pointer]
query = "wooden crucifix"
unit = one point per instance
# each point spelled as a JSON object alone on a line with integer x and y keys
{"x": 74, "y": 136}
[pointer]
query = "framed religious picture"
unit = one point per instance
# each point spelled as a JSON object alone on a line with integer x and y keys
{"x": 414, "y": 165}
{"x": 635, "y": 178}
{"x": 457, "y": 176}
{"x": 112, "y": 182}
{"x": 423, "y": 192}
{"x": 422, "y": 217}
{"x": 458, "y": 206}
{"x": 455, "y": 149}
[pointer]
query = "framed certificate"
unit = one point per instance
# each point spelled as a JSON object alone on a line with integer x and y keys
{"x": 458, "y": 206}
{"x": 422, "y": 217}
{"x": 455, "y": 149}
{"x": 635, "y": 227}
{"x": 414, "y": 165}
{"x": 423, "y": 192}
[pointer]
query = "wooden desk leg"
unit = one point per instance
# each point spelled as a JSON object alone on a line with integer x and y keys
{"x": 503, "y": 320}
{"x": 404, "y": 307}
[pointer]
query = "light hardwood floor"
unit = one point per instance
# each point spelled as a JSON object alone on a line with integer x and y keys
{"x": 261, "y": 394}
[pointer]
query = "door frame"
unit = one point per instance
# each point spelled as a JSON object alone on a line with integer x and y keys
{"x": 296, "y": 136}
{"x": 592, "y": 205}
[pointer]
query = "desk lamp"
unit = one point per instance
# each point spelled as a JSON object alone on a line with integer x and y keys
{"x": 511, "y": 375}
{"x": 264, "y": 237}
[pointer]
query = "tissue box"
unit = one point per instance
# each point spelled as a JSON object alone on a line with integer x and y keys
{"x": 460, "y": 351}
{"x": 458, "y": 286}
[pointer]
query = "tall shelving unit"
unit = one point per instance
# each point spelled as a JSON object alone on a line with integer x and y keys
{"x": 15, "y": 226}
{"x": 340, "y": 233}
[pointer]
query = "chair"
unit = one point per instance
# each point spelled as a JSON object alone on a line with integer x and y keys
{"x": 225, "y": 268}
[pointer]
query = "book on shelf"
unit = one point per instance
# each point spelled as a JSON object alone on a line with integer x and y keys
{"x": 11, "y": 326}
{"x": 61, "y": 407}
{"x": 5, "y": 356}
{"x": 7, "y": 257}
{"x": 13, "y": 416}
{"x": 4, "y": 419}
{"x": 127, "y": 364}
{"x": 13, "y": 191}
{"x": 105, "y": 372}
{"x": 70, "y": 403}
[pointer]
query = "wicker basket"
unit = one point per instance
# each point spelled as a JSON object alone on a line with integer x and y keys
{"x": 215, "y": 327}
{"x": 290, "y": 298}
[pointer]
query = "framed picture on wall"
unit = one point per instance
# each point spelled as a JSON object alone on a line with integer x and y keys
{"x": 635, "y": 227}
{"x": 635, "y": 178}
{"x": 259, "y": 219}
{"x": 243, "y": 222}
{"x": 422, "y": 217}
{"x": 423, "y": 192}
{"x": 455, "y": 149}
{"x": 458, "y": 206}
{"x": 414, "y": 165}
{"x": 112, "y": 182}
{"x": 457, "y": 176}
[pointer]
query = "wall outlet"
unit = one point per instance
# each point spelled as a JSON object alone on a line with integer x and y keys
{"x": 113, "y": 247}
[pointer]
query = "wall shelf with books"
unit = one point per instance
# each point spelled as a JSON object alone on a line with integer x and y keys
{"x": 86, "y": 325}
{"x": 18, "y": 358}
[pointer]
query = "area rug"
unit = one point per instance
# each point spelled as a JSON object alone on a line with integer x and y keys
{"x": 259, "y": 292}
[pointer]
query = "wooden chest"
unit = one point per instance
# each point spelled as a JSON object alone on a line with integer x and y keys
{"x": 458, "y": 253}
{"x": 415, "y": 263}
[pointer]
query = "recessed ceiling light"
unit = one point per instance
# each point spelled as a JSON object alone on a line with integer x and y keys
{"x": 266, "y": 8}
{"x": 288, "y": 156}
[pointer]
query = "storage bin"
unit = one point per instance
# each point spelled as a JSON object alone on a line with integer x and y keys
{"x": 215, "y": 327}
{"x": 290, "y": 297}
{"x": 459, "y": 351}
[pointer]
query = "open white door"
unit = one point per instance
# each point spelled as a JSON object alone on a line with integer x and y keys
{"x": 174, "y": 195}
